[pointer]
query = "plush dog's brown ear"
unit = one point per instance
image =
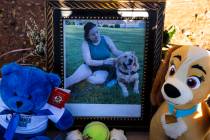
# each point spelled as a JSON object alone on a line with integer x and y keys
{"x": 156, "y": 97}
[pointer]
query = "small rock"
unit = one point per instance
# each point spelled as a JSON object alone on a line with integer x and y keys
{"x": 13, "y": 2}
{"x": 37, "y": 4}
{"x": 37, "y": 63}
{"x": 16, "y": 28}
{"x": 21, "y": 35}
{"x": 5, "y": 26}
{"x": 13, "y": 12}
{"x": 1, "y": 11}
{"x": 28, "y": 4}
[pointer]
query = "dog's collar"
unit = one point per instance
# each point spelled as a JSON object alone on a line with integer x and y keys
{"x": 126, "y": 73}
{"x": 181, "y": 113}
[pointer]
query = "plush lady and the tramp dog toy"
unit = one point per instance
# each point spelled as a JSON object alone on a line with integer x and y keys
{"x": 184, "y": 80}
{"x": 28, "y": 98}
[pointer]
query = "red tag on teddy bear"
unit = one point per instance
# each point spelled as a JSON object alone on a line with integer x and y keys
{"x": 59, "y": 97}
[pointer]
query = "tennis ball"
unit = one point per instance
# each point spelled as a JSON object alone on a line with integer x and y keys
{"x": 96, "y": 131}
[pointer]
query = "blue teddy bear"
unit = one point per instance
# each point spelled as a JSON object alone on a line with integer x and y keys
{"x": 24, "y": 107}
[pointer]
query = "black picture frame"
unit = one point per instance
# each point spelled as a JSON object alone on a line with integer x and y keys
{"x": 109, "y": 10}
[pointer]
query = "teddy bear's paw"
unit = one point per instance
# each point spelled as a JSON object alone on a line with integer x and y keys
{"x": 117, "y": 134}
{"x": 174, "y": 130}
{"x": 74, "y": 135}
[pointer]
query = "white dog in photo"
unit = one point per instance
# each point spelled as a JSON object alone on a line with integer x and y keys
{"x": 127, "y": 67}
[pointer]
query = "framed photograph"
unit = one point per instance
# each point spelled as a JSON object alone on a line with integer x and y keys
{"x": 107, "y": 53}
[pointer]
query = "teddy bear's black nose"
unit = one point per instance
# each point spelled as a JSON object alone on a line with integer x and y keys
{"x": 171, "y": 91}
{"x": 19, "y": 104}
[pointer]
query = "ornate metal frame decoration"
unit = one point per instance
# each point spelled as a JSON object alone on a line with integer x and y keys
{"x": 57, "y": 11}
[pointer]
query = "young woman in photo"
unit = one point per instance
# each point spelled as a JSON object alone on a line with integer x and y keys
{"x": 98, "y": 66}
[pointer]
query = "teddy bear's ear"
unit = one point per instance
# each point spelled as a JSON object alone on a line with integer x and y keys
{"x": 9, "y": 68}
{"x": 54, "y": 79}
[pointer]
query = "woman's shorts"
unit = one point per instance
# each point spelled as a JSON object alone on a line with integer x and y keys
{"x": 109, "y": 69}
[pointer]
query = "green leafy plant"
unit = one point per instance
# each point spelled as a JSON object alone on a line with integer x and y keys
{"x": 36, "y": 36}
{"x": 31, "y": 55}
{"x": 167, "y": 36}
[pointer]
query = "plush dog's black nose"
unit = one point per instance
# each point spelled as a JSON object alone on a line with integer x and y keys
{"x": 19, "y": 104}
{"x": 171, "y": 91}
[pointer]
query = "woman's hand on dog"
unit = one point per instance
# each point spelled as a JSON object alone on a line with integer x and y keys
{"x": 109, "y": 61}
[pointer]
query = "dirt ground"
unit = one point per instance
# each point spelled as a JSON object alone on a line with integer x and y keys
{"x": 191, "y": 19}
{"x": 13, "y": 15}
